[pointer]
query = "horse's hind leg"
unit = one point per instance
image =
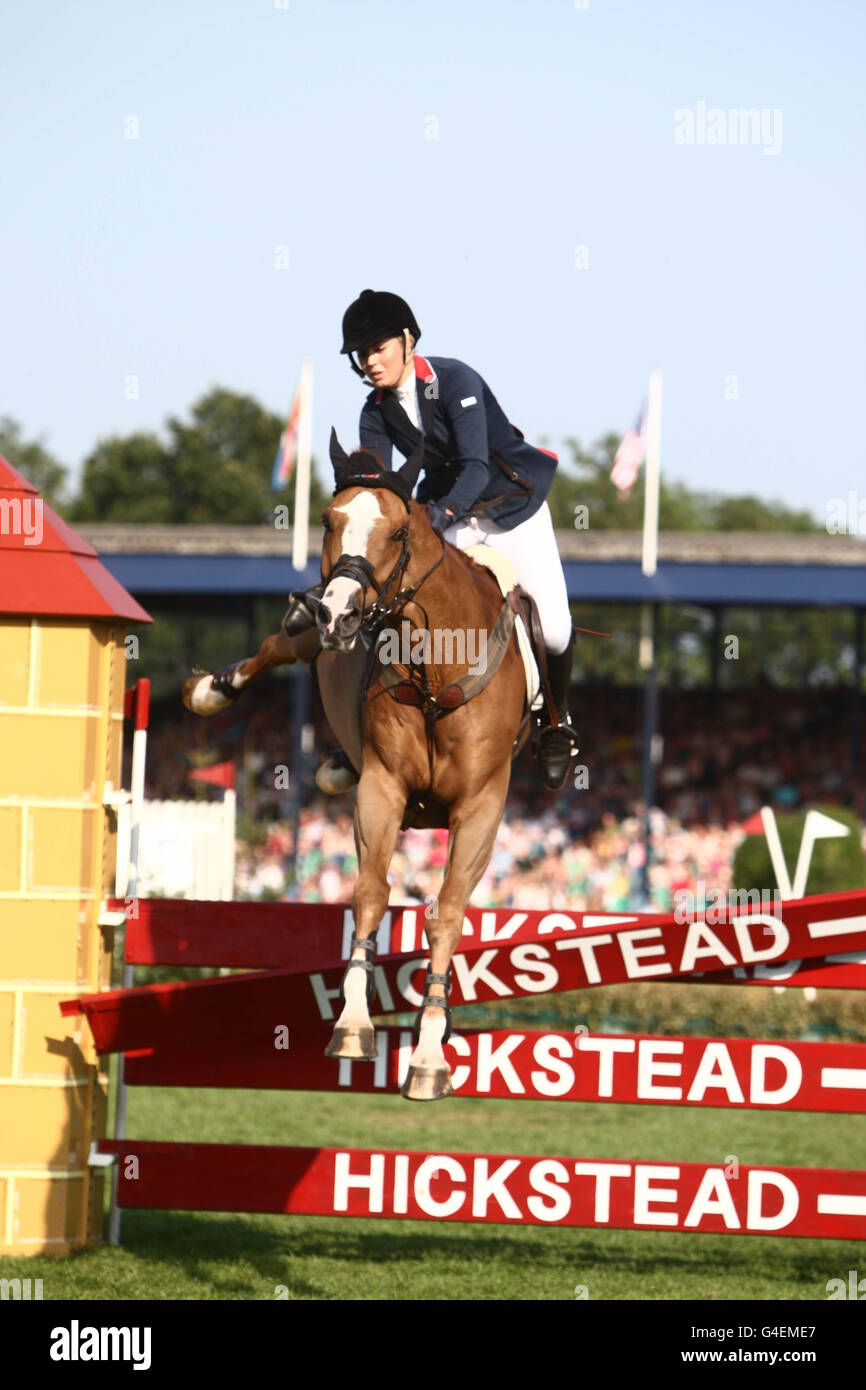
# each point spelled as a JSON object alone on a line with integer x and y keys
{"x": 378, "y": 816}
{"x": 473, "y": 824}
{"x": 339, "y": 675}
{"x": 208, "y": 694}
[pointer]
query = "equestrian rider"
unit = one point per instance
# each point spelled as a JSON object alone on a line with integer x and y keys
{"x": 482, "y": 482}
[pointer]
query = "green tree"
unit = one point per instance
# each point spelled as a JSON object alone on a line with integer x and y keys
{"x": 214, "y": 469}
{"x": 125, "y": 479}
{"x": 587, "y": 482}
{"x": 33, "y": 460}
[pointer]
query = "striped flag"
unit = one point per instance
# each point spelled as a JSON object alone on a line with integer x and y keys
{"x": 630, "y": 456}
{"x": 284, "y": 463}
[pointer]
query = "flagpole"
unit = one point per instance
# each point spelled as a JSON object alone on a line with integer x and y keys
{"x": 301, "y": 526}
{"x": 649, "y": 552}
{"x": 300, "y": 686}
{"x": 652, "y": 752}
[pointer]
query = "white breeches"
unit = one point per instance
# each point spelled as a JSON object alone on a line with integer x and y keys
{"x": 531, "y": 548}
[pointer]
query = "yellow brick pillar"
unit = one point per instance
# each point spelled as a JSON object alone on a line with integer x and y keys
{"x": 62, "y": 681}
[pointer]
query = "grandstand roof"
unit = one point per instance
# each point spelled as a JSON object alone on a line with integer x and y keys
{"x": 206, "y": 563}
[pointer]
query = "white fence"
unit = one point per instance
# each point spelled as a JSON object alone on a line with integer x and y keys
{"x": 187, "y": 849}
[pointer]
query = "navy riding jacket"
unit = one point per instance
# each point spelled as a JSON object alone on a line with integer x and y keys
{"x": 475, "y": 461}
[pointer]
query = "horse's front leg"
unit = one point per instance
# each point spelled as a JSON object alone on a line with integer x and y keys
{"x": 210, "y": 693}
{"x": 379, "y": 811}
{"x": 473, "y": 824}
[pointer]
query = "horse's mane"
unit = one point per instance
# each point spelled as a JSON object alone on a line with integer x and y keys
{"x": 359, "y": 460}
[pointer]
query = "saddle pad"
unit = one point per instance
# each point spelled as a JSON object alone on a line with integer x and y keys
{"x": 502, "y": 569}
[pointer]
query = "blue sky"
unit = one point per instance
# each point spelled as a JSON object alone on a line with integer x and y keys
{"x": 309, "y": 127}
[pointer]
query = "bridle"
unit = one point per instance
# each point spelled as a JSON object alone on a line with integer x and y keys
{"x": 359, "y": 569}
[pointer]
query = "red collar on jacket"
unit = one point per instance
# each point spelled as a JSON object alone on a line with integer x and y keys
{"x": 423, "y": 371}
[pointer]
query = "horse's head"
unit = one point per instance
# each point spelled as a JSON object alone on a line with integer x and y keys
{"x": 366, "y": 547}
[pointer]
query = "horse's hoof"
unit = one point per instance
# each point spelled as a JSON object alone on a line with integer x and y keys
{"x": 358, "y": 1044}
{"x": 427, "y": 1083}
{"x": 336, "y": 775}
{"x": 200, "y": 697}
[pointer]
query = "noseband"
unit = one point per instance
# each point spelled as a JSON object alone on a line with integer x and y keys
{"x": 359, "y": 569}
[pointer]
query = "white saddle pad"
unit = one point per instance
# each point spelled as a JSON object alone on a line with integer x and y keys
{"x": 503, "y": 570}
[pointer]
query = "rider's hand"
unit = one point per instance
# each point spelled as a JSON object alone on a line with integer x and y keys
{"x": 440, "y": 517}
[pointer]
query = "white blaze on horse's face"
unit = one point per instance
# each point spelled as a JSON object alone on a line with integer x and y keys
{"x": 343, "y": 597}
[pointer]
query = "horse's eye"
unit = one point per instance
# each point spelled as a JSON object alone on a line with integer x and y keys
{"x": 326, "y": 523}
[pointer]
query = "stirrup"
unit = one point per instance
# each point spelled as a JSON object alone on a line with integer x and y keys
{"x": 368, "y": 945}
{"x": 557, "y": 745}
{"x": 431, "y": 978}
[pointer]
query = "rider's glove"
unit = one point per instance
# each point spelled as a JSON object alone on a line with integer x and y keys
{"x": 440, "y": 517}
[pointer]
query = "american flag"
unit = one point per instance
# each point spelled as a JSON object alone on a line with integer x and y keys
{"x": 630, "y": 456}
{"x": 284, "y": 463}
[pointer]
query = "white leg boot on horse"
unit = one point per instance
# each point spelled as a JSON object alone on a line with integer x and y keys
{"x": 472, "y": 826}
{"x": 378, "y": 814}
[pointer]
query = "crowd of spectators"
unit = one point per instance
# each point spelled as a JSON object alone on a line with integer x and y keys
{"x": 723, "y": 756}
{"x": 536, "y": 862}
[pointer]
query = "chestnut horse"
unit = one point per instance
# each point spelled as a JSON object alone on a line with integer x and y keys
{"x": 429, "y": 751}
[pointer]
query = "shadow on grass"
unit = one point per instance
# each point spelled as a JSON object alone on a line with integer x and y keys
{"x": 203, "y": 1249}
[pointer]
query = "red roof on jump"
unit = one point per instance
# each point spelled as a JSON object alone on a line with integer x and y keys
{"x": 46, "y": 569}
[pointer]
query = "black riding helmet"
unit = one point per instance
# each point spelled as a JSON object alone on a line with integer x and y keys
{"x": 375, "y": 315}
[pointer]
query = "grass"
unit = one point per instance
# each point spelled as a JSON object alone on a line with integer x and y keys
{"x": 211, "y": 1256}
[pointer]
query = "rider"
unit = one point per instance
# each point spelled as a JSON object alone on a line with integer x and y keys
{"x": 482, "y": 482}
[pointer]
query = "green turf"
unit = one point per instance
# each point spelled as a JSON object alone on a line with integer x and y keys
{"x": 184, "y": 1255}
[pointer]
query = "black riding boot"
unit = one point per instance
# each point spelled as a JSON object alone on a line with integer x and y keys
{"x": 557, "y": 743}
{"x": 301, "y": 613}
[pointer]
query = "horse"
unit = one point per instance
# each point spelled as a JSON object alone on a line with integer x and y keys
{"x": 433, "y": 746}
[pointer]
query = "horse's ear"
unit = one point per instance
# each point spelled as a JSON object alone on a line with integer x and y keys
{"x": 411, "y": 469}
{"x": 339, "y": 457}
{"x": 338, "y": 454}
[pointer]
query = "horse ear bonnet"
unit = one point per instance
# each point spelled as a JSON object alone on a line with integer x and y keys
{"x": 363, "y": 469}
